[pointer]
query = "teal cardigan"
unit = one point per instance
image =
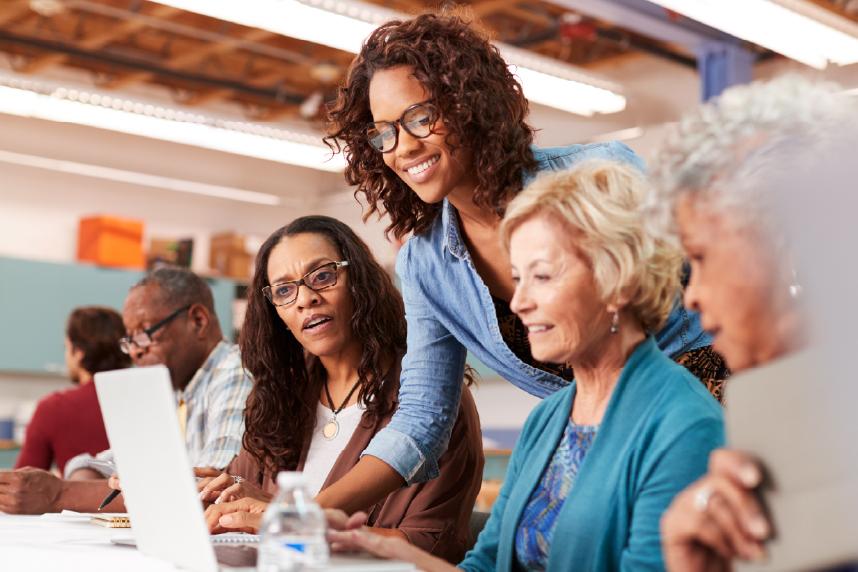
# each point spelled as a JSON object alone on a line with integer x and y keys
{"x": 654, "y": 440}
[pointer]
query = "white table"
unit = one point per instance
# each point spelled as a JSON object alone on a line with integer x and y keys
{"x": 52, "y": 544}
{"x": 45, "y": 543}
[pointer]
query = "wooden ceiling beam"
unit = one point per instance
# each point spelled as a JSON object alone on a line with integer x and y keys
{"x": 40, "y": 63}
{"x": 11, "y": 10}
{"x": 530, "y": 17}
{"x": 488, "y": 7}
{"x": 212, "y": 95}
{"x": 197, "y": 55}
{"x": 275, "y": 114}
{"x": 208, "y": 96}
{"x": 125, "y": 80}
{"x": 191, "y": 57}
{"x": 98, "y": 41}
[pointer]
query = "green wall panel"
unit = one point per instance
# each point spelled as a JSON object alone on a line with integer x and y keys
{"x": 37, "y": 297}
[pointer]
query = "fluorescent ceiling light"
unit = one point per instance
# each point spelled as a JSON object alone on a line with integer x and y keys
{"x": 555, "y": 84}
{"x": 796, "y": 29}
{"x": 26, "y": 98}
{"x": 345, "y": 24}
{"x": 137, "y": 178}
{"x": 337, "y": 24}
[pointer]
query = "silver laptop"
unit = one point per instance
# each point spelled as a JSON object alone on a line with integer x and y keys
{"x": 139, "y": 410}
{"x": 798, "y": 416}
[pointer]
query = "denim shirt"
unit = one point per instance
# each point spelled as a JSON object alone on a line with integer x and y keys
{"x": 449, "y": 311}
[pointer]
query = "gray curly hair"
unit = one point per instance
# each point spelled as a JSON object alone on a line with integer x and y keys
{"x": 735, "y": 148}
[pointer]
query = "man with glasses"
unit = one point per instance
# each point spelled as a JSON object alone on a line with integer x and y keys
{"x": 169, "y": 319}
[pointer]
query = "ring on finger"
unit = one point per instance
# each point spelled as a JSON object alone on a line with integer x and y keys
{"x": 237, "y": 479}
{"x": 702, "y": 498}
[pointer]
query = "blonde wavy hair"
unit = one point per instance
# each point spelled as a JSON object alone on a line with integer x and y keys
{"x": 602, "y": 201}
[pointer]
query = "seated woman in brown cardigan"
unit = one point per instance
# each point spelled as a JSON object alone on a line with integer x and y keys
{"x": 323, "y": 337}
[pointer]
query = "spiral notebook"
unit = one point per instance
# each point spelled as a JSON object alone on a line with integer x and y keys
{"x": 111, "y": 519}
{"x": 106, "y": 519}
{"x": 224, "y": 538}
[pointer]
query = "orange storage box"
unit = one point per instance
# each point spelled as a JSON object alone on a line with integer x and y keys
{"x": 111, "y": 241}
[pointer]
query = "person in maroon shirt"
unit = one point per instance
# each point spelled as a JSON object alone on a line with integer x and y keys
{"x": 67, "y": 423}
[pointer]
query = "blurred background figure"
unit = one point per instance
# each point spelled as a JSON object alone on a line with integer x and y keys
{"x": 68, "y": 423}
{"x": 747, "y": 183}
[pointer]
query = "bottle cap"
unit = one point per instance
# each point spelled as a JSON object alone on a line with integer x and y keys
{"x": 288, "y": 479}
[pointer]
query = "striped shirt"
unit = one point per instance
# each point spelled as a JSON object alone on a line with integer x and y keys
{"x": 215, "y": 400}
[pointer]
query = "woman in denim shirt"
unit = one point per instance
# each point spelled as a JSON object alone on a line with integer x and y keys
{"x": 432, "y": 123}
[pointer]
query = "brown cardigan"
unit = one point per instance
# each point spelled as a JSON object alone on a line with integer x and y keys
{"x": 433, "y": 515}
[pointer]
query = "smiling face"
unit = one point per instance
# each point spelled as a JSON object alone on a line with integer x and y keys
{"x": 428, "y": 166}
{"x": 736, "y": 283}
{"x": 556, "y": 295}
{"x": 319, "y": 321}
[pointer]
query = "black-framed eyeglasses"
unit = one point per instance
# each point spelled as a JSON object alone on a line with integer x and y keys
{"x": 418, "y": 120}
{"x": 144, "y": 339}
{"x": 324, "y": 276}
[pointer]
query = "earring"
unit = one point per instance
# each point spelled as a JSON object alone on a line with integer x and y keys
{"x": 794, "y": 287}
{"x": 615, "y": 323}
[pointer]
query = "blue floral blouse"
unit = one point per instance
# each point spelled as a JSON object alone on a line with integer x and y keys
{"x": 533, "y": 539}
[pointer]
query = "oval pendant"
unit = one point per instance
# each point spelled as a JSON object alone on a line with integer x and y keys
{"x": 331, "y": 429}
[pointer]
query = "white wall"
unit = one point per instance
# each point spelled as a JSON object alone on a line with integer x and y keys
{"x": 40, "y": 208}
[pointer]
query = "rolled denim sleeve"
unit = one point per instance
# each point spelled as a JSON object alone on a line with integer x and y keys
{"x": 429, "y": 390}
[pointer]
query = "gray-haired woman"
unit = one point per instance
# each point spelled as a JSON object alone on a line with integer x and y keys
{"x": 724, "y": 175}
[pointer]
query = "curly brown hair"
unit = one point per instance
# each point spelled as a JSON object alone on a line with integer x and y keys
{"x": 481, "y": 103}
{"x": 281, "y": 408}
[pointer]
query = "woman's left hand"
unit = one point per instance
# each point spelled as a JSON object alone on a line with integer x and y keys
{"x": 227, "y": 488}
{"x": 717, "y": 519}
{"x": 243, "y": 515}
{"x": 385, "y": 546}
{"x": 339, "y": 520}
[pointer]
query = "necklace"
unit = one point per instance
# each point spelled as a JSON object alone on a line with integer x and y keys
{"x": 332, "y": 428}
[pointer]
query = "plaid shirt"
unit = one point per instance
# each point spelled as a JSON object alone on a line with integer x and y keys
{"x": 215, "y": 400}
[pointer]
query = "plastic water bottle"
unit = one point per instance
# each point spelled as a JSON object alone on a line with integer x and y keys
{"x": 292, "y": 537}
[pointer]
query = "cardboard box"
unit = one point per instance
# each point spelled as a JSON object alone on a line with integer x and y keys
{"x": 111, "y": 241}
{"x": 228, "y": 256}
{"x": 175, "y": 251}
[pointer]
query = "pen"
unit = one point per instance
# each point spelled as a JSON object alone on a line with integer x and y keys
{"x": 109, "y": 498}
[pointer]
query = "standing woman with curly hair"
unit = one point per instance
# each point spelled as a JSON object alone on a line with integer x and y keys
{"x": 432, "y": 124}
{"x": 323, "y": 338}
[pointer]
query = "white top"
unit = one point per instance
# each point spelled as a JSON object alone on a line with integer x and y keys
{"x": 290, "y": 479}
{"x": 323, "y": 453}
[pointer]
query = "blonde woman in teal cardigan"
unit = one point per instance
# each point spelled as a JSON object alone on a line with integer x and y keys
{"x": 598, "y": 462}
